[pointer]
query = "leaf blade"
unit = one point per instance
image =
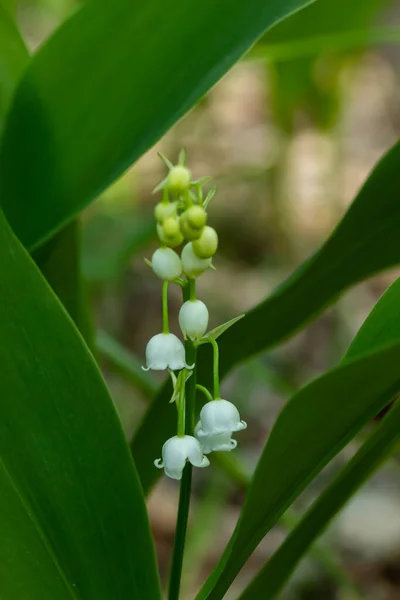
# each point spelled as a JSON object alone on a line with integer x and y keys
{"x": 62, "y": 443}
{"x": 88, "y": 107}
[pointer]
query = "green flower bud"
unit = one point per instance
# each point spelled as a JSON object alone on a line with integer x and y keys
{"x": 193, "y": 266}
{"x": 188, "y": 232}
{"x": 169, "y": 232}
{"x": 207, "y": 244}
{"x": 164, "y": 210}
{"x": 178, "y": 179}
{"x": 196, "y": 217}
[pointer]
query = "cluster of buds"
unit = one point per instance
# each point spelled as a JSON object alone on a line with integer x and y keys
{"x": 181, "y": 218}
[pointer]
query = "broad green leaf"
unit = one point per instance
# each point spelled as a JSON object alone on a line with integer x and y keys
{"x": 104, "y": 88}
{"x": 314, "y": 426}
{"x": 380, "y": 328}
{"x": 73, "y": 521}
{"x": 60, "y": 262}
{"x": 374, "y": 451}
{"x": 13, "y": 59}
{"x": 364, "y": 242}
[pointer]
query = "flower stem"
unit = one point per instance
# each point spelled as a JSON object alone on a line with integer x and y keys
{"x": 186, "y": 482}
{"x": 205, "y": 391}
{"x": 192, "y": 289}
{"x": 217, "y": 393}
{"x": 165, "y": 307}
{"x": 181, "y": 412}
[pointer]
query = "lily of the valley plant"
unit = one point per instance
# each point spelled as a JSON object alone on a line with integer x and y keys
{"x": 181, "y": 218}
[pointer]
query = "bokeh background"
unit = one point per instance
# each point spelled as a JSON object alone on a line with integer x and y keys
{"x": 288, "y": 136}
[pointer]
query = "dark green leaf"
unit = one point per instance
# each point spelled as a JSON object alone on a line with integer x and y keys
{"x": 60, "y": 262}
{"x": 13, "y": 59}
{"x": 73, "y": 520}
{"x": 105, "y": 87}
{"x": 365, "y": 241}
{"x": 313, "y": 427}
{"x": 374, "y": 451}
{"x": 380, "y": 328}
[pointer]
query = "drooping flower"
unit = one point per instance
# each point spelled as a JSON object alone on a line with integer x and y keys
{"x": 193, "y": 319}
{"x": 220, "y": 416}
{"x": 217, "y": 442}
{"x": 166, "y": 264}
{"x": 176, "y": 451}
{"x": 165, "y": 351}
{"x": 193, "y": 266}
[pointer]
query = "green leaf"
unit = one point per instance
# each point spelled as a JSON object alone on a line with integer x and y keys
{"x": 220, "y": 329}
{"x": 374, "y": 451}
{"x": 321, "y": 414}
{"x": 380, "y": 328}
{"x": 13, "y": 59}
{"x": 73, "y": 519}
{"x": 104, "y": 88}
{"x": 364, "y": 242}
{"x": 60, "y": 262}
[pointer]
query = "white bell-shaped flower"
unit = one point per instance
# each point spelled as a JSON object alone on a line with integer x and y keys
{"x": 193, "y": 319}
{"x": 165, "y": 351}
{"x": 214, "y": 442}
{"x": 220, "y": 416}
{"x": 193, "y": 266}
{"x": 176, "y": 451}
{"x": 166, "y": 264}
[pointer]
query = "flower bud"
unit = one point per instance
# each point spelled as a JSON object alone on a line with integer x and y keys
{"x": 176, "y": 451}
{"x": 193, "y": 266}
{"x": 178, "y": 179}
{"x": 196, "y": 217}
{"x": 207, "y": 244}
{"x": 164, "y": 210}
{"x": 169, "y": 232}
{"x": 189, "y": 233}
{"x": 193, "y": 319}
{"x": 165, "y": 351}
{"x": 166, "y": 264}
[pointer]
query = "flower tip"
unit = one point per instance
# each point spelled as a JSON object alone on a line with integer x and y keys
{"x": 145, "y": 368}
{"x": 159, "y": 463}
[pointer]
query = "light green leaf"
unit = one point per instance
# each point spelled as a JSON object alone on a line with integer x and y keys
{"x": 73, "y": 520}
{"x": 364, "y": 242}
{"x": 380, "y": 328}
{"x": 104, "y": 88}
{"x": 13, "y": 59}
{"x": 217, "y": 331}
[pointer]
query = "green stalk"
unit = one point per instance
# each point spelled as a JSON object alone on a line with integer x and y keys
{"x": 205, "y": 391}
{"x": 165, "y": 307}
{"x": 186, "y": 482}
{"x": 217, "y": 393}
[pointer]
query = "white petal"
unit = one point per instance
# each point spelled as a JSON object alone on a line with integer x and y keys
{"x": 219, "y": 416}
{"x": 176, "y": 353}
{"x": 193, "y": 266}
{"x": 166, "y": 264}
{"x": 164, "y": 351}
{"x": 193, "y": 319}
{"x": 217, "y": 442}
